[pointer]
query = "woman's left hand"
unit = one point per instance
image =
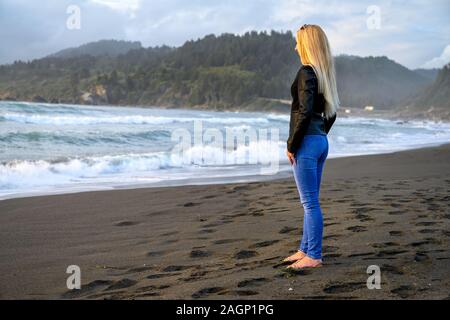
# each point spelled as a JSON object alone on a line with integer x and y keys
{"x": 291, "y": 157}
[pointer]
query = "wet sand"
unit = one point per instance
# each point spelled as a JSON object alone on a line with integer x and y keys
{"x": 226, "y": 241}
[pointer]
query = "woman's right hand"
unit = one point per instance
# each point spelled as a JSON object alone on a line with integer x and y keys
{"x": 291, "y": 157}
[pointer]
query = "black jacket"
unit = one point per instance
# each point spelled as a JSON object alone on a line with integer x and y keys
{"x": 305, "y": 101}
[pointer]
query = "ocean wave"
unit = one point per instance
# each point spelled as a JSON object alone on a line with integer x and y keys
{"x": 279, "y": 117}
{"x": 395, "y": 123}
{"x": 22, "y": 173}
{"x": 83, "y": 138}
{"x": 47, "y": 119}
{"x": 31, "y": 173}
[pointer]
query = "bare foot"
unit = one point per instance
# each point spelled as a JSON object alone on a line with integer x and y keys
{"x": 306, "y": 262}
{"x": 296, "y": 256}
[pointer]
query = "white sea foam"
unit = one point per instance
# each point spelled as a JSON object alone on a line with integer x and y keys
{"x": 26, "y": 173}
{"x": 23, "y": 173}
{"x": 133, "y": 145}
{"x": 58, "y": 120}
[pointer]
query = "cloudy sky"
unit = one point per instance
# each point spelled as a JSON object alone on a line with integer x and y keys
{"x": 415, "y": 33}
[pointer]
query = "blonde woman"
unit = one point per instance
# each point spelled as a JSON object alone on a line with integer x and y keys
{"x": 314, "y": 106}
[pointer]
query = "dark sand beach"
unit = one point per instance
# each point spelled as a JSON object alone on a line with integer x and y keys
{"x": 226, "y": 241}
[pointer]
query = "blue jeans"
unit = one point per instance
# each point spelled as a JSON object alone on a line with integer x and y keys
{"x": 309, "y": 161}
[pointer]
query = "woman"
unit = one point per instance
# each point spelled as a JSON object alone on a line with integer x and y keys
{"x": 314, "y": 106}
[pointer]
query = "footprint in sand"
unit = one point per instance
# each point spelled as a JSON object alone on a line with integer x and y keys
{"x": 364, "y": 218}
{"x": 225, "y": 241}
{"x": 140, "y": 269}
{"x": 161, "y": 275}
{"x": 426, "y": 223}
{"x": 252, "y": 282}
{"x": 288, "y": 273}
{"x": 362, "y": 254}
{"x": 196, "y": 275}
{"x": 428, "y": 231}
{"x": 152, "y": 287}
{"x": 169, "y": 241}
{"x": 207, "y": 291}
{"x": 263, "y": 244}
{"x": 421, "y": 256}
{"x": 148, "y": 294}
{"x": 245, "y": 254}
{"x": 171, "y": 233}
{"x": 357, "y": 228}
{"x": 287, "y": 229}
{"x": 87, "y": 288}
{"x": 344, "y": 287}
{"x": 212, "y": 225}
{"x": 241, "y": 292}
{"x": 389, "y": 253}
{"x": 331, "y": 256}
{"x": 207, "y": 231}
{"x": 330, "y": 224}
{"x": 190, "y": 204}
{"x": 199, "y": 254}
{"x": 385, "y": 244}
{"x": 419, "y": 243}
{"x": 256, "y": 212}
{"x": 156, "y": 253}
{"x": 121, "y": 284}
{"x": 175, "y": 268}
{"x": 391, "y": 269}
{"x": 125, "y": 223}
{"x": 332, "y": 237}
{"x": 362, "y": 210}
{"x": 404, "y": 292}
{"x": 396, "y": 212}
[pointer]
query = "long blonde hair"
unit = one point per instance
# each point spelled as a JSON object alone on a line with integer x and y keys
{"x": 314, "y": 50}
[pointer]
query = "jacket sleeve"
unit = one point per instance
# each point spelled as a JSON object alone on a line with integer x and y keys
{"x": 300, "y": 119}
{"x": 329, "y": 123}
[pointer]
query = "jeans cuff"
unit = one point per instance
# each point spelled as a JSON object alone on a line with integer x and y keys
{"x": 312, "y": 257}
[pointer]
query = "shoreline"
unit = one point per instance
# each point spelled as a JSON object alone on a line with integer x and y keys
{"x": 225, "y": 241}
{"x": 190, "y": 182}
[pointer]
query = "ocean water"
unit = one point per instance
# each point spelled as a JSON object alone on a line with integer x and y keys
{"x": 47, "y": 149}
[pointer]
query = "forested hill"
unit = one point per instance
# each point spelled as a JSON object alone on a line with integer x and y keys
{"x": 433, "y": 101}
{"x": 111, "y": 48}
{"x": 254, "y": 70}
{"x": 438, "y": 94}
{"x": 428, "y": 73}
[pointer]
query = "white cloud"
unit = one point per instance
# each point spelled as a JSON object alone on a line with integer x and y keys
{"x": 297, "y": 11}
{"x": 439, "y": 62}
{"x": 34, "y": 29}
{"x": 124, "y": 6}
